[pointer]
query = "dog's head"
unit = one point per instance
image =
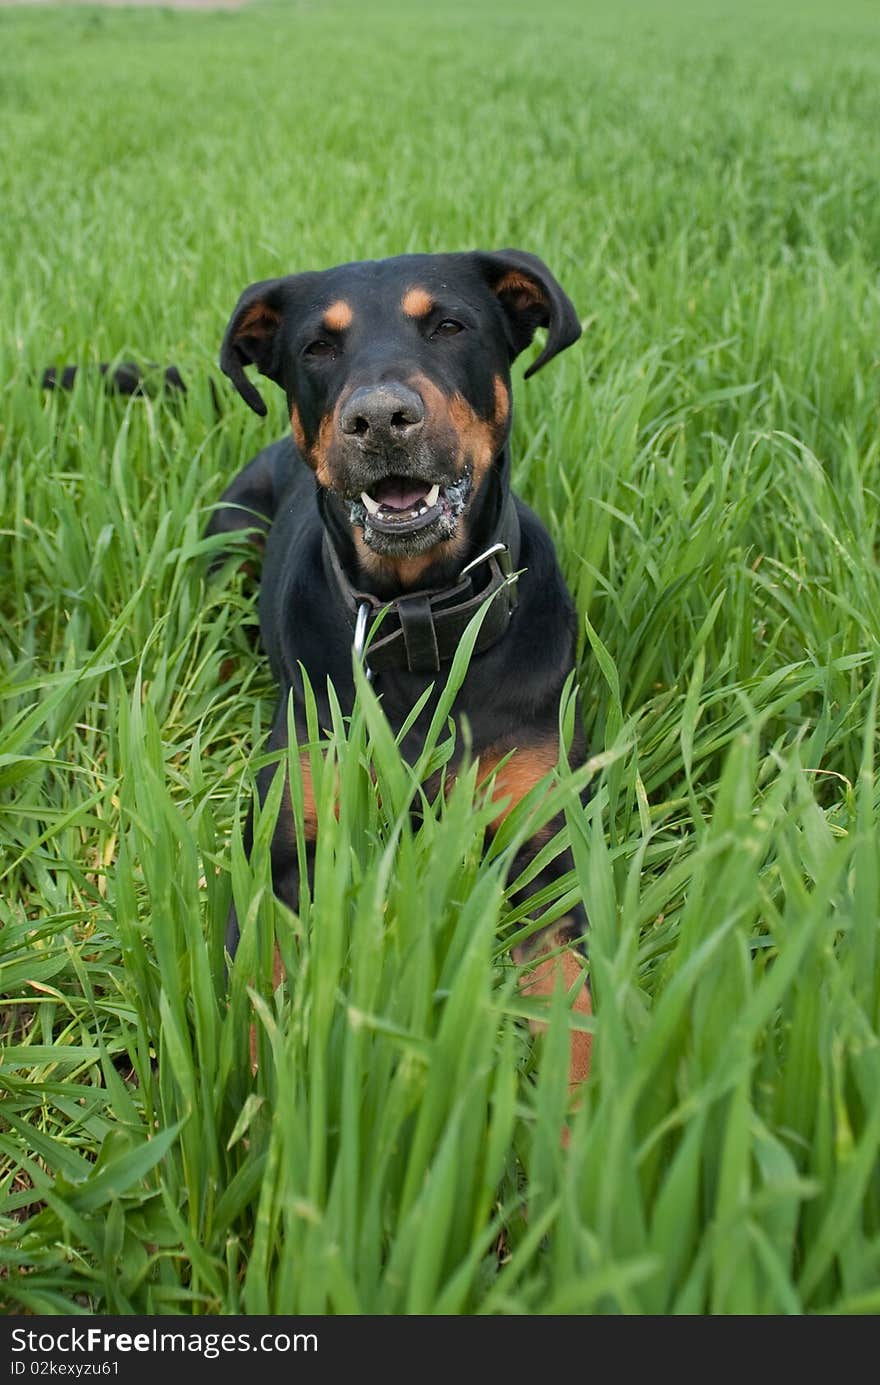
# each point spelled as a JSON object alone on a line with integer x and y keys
{"x": 397, "y": 377}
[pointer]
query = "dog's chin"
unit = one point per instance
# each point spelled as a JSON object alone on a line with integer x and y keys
{"x": 411, "y": 530}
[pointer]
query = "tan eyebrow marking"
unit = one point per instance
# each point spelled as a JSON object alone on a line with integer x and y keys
{"x": 417, "y": 302}
{"x": 338, "y": 316}
{"x": 502, "y": 400}
{"x": 299, "y": 435}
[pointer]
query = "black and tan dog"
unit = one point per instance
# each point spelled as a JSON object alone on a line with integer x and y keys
{"x": 392, "y": 494}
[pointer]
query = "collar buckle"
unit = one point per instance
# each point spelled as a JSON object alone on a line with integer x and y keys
{"x": 428, "y": 625}
{"x": 501, "y": 553}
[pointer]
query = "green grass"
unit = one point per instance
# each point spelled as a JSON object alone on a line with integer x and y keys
{"x": 707, "y": 459}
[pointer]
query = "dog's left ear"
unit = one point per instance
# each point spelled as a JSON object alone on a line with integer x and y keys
{"x": 531, "y": 297}
{"x": 251, "y": 338}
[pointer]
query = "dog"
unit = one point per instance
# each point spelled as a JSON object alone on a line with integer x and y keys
{"x": 391, "y": 497}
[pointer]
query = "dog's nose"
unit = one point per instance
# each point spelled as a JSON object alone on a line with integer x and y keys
{"x": 382, "y": 414}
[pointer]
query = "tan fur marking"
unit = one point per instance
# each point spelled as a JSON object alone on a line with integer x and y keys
{"x": 338, "y": 316}
{"x": 525, "y": 290}
{"x": 417, "y": 302}
{"x": 542, "y": 981}
{"x": 406, "y": 571}
{"x": 475, "y": 441}
{"x": 277, "y": 968}
{"x": 319, "y": 453}
{"x": 436, "y": 402}
{"x": 310, "y": 811}
{"x": 502, "y": 401}
{"x": 259, "y": 321}
{"x": 458, "y": 420}
{"x": 478, "y": 438}
{"x": 524, "y": 769}
{"x": 296, "y": 427}
{"x": 285, "y": 832}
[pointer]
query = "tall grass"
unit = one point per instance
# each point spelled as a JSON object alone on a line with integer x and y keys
{"x": 707, "y": 461}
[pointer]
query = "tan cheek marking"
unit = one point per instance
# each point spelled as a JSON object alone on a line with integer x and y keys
{"x": 338, "y": 316}
{"x": 519, "y": 775}
{"x": 502, "y": 402}
{"x": 320, "y": 455}
{"x": 477, "y": 438}
{"x": 523, "y": 289}
{"x": 296, "y": 428}
{"x": 417, "y": 302}
{"x": 436, "y": 401}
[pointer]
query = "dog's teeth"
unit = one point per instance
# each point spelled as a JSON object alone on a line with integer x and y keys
{"x": 372, "y": 505}
{"x": 432, "y": 497}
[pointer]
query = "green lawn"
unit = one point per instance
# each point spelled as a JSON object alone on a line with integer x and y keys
{"x": 702, "y": 179}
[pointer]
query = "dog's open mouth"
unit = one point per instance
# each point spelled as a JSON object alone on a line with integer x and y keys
{"x": 403, "y": 504}
{"x": 406, "y": 514}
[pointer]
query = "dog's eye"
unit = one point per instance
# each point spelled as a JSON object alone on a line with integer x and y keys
{"x": 320, "y": 348}
{"x": 448, "y": 328}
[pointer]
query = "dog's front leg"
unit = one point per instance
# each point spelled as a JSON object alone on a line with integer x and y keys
{"x": 284, "y": 861}
{"x": 551, "y": 958}
{"x": 284, "y": 852}
{"x": 284, "y": 857}
{"x": 553, "y": 955}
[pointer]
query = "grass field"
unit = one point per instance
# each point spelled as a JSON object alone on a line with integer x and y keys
{"x": 702, "y": 178}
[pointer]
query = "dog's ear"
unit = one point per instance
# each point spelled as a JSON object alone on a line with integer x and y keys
{"x": 252, "y": 338}
{"x": 531, "y": 297}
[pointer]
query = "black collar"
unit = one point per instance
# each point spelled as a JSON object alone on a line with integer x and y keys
{"x": 421, "y": 630}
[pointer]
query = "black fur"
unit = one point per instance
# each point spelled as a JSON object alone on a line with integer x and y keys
{"x": 485, "y": 309}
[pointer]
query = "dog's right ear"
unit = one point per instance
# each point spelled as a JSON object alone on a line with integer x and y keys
{"x": 252, "y": 338}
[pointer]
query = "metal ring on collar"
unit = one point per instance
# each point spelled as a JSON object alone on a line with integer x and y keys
{"x": 483, "y": 557}
{"x": 360, "y": 637}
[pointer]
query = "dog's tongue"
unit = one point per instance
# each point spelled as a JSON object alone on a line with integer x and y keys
{"x": 400, "y": 492}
